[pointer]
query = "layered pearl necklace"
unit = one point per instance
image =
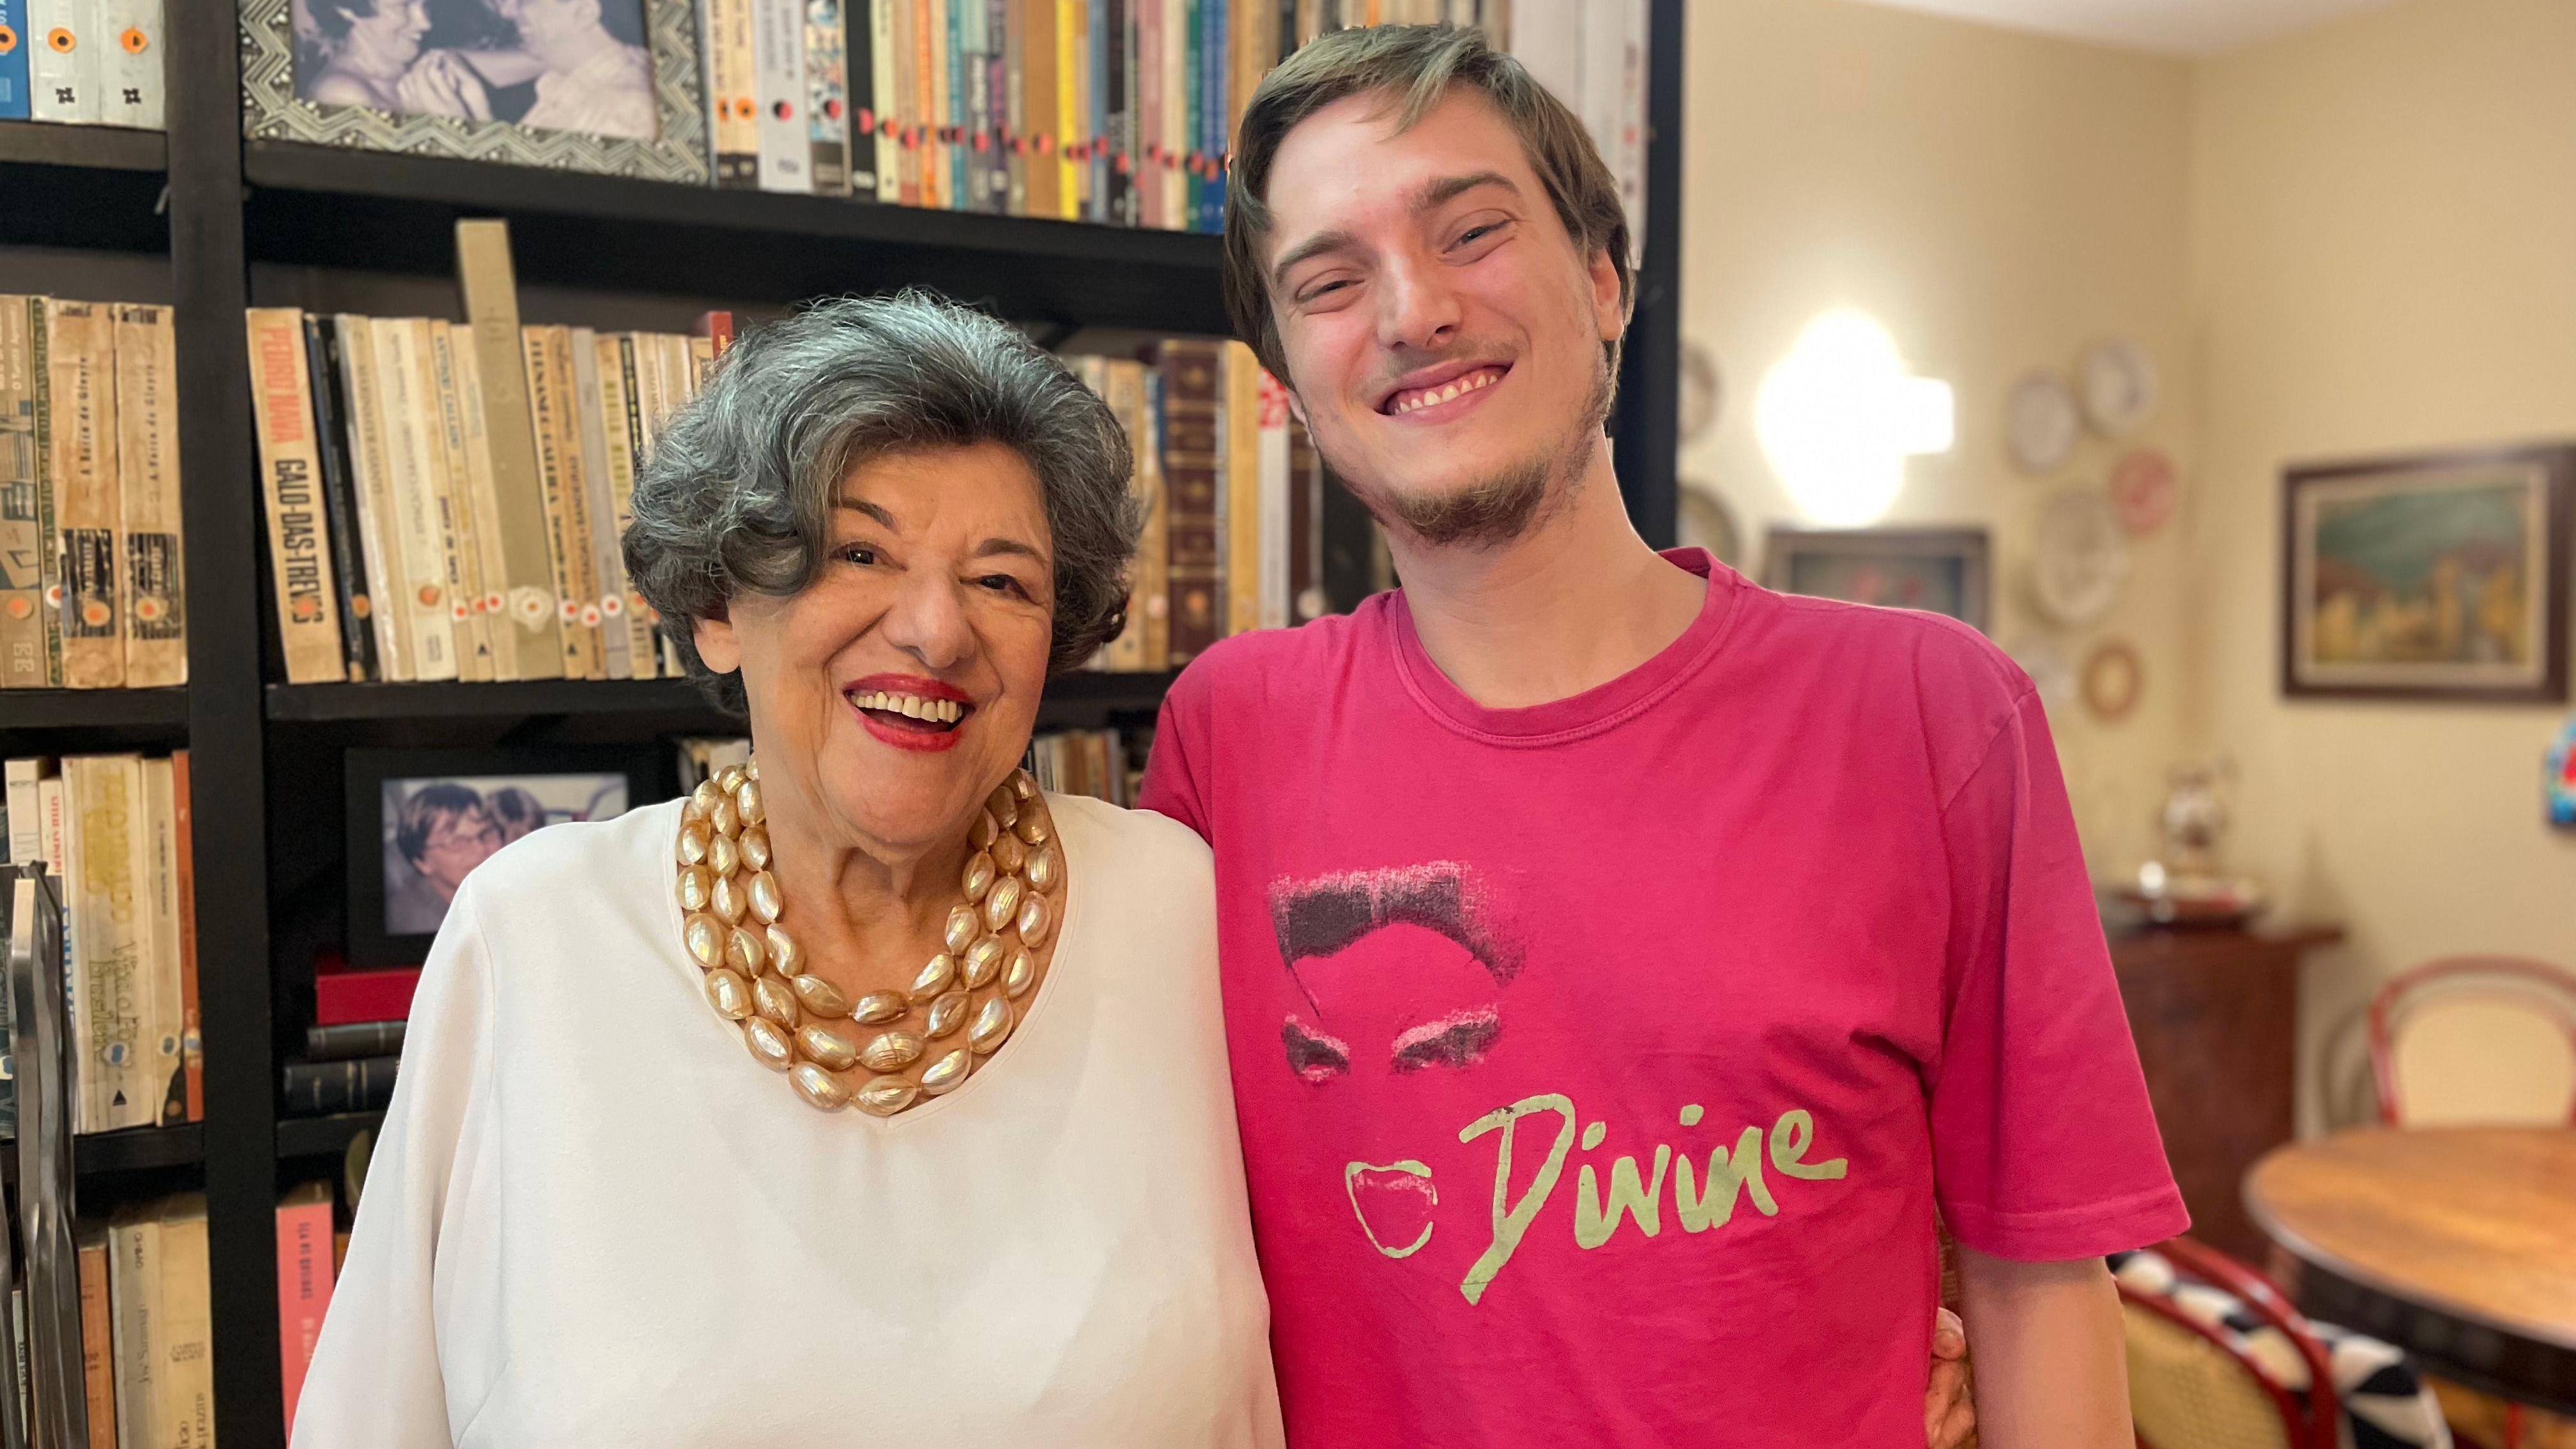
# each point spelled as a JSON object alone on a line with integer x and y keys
{"x": 800, "y": 1024}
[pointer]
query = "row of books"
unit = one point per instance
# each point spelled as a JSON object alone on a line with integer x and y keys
{"x": 343, "y": 1066}
{"x": 146, "y": 1329}
{"x": 114, "y": 832}
{"x": 1234, "y": 493}
{"x": 90, "y": 589}
{"x": 1087, "y": 762}
{"x": 84, "y": 62}
{"x": 445, "y": 499}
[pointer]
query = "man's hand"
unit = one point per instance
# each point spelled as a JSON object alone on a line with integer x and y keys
{"x": 1949, "y": 1415}
{"x": 441, "y": 84}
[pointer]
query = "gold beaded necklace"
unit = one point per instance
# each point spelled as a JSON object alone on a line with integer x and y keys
{"x": 800, "y": 1024}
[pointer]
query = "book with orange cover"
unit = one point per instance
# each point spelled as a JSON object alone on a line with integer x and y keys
{"x": 81, "y": 356}
{"x": 305, "y": 1270}
{"x": 98, "y": 1345}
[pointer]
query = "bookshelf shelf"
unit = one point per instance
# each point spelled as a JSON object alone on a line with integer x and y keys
{"x": 137, "y": 1149}
{"x": 94, "y": 148}
{"x": 314, "y": 1137}
{"x": 321, "y": 205}
{"x": 85, "y": 709}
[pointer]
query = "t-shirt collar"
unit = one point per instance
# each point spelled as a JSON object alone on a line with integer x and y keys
{"x": 1595, "y": 709}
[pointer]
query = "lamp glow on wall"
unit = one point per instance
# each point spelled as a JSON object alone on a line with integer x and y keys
{"x": 1839, "y": 416}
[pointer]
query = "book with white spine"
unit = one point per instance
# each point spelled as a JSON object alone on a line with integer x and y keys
{"x": 130, "y": 62}
{"x": 733, "y": 136}
{"x": 81, "y": 361}
{"x": 491, "y": 566}
{"x": 778, "y": 59}
{"x": 622, "y": 407}
{"x": 605, "y": 611}
{"x": 371, "y": 470}
{"x": 63, "y": 61}
{"x": 827, "y": 97}
{"x": 457, "y": 523}
{"x": 415, "y": 501}
{"x": 107, "y": 874}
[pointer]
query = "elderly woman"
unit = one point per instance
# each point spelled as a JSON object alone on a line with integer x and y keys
{"x": 867, "y": 1090}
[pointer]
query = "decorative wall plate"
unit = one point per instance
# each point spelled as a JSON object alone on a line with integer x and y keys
{"x": 2113, "y": 678}
{"x": 2142, "y": 490}
{"x": 2079, "y": 558}
{"x": 1704, "y": 521}
{"x": 2041, "y": 423}
{"x": 2118, "y": 382}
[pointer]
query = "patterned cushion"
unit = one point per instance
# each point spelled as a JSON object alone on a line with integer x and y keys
{"x": 2385, "y": 1403}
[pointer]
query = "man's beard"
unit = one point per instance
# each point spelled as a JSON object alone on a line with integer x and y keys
{"x": 1502, "y": 507}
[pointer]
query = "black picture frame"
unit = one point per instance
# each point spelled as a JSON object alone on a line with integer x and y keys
{"x": 370, "y": 940}
{"x": 2547, "y": 471}
{"x": 1785, "y": 549}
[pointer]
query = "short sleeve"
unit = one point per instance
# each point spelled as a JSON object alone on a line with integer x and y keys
{"x": 378, "y": 1379}
{"x": 1172, "y": 785}
{"x": 2044, "y": 1146}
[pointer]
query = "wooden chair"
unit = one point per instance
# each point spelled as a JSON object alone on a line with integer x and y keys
{"x": 2476, "y": 1040}
{"x": 2195, "y": 1385}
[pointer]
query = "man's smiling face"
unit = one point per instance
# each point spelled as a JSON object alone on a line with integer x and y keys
{"x": 1442, "y": 330}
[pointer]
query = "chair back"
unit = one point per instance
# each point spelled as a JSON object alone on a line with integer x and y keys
{"x": 2485, "y": 1041}
{"x": 2196, "y": 1384}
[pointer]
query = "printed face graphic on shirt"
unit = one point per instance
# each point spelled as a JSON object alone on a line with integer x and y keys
{"x": 1401, "y": 972}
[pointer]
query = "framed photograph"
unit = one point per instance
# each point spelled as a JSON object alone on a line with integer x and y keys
{"x": 420, "y": 821}
{"x": 582, "y": 85}
{"x": 2435, "y": 577}
{"x": 1940, "y": 570}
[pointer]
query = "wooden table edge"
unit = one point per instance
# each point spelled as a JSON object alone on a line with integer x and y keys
{"x": 2299, "y": 1246}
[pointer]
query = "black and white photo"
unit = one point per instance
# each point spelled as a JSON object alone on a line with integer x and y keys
{"x": 559, "y": 65}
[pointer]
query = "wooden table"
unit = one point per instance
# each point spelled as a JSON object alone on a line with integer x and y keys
{"x": 2458, "y": 1245}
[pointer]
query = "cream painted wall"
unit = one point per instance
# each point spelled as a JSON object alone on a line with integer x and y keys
{"x": 2383, "y": 259}
{"x": 1998, "y": 201}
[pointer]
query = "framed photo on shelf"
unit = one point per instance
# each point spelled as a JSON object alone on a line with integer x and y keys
{"x": 2440, "y": 576}
{"x": 610, "y": 86}
{"x": 421, "y": 821}
{"x": 1939, "y": 570}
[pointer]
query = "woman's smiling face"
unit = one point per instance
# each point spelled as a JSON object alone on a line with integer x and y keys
{"x": 895, "y": 690}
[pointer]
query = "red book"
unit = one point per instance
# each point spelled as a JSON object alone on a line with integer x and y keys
{"x": 191, "y": 1043}
{"x": 304, "y": 1272}
{"x": 717, "y": 327}
{"x": 341, "y": 997}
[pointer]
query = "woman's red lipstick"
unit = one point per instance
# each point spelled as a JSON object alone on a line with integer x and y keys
{"x": 904, "y": 732}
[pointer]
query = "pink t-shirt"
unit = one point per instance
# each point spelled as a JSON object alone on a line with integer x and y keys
{"x": 1600, "y": 1064}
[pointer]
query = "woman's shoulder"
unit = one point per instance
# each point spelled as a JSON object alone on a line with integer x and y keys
{"x": 1138, "y": 849}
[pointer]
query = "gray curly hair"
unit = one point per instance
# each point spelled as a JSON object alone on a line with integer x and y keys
{"x": 738, "y": 492}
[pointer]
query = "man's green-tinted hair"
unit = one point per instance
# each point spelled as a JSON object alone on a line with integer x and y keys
{"x": 1413, "y": 67}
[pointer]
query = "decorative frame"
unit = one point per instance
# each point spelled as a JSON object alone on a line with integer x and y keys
{"x": 272, "y": 111}
{"x": 2317, "y": 495}
{"x": 646, "y": 768}
{"x": 1789, "y": 552}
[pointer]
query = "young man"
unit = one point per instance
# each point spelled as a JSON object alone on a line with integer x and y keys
{"x": 1621, "y": 961}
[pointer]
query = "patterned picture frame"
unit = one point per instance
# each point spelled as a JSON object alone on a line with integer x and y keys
{"x": 677, "y": 152}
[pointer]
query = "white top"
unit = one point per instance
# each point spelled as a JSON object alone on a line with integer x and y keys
{"x": 593, "y": 1219}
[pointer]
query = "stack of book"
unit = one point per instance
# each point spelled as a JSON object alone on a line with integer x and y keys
{"x": 90, "y": 593}
{"x": 114, "y": 831}
{"x": 445, "y": 499}
{"x": 354, "y": 1046}
{"x": 146, "y": 1326}
{"x": 85, "y": 62}
{"x": 1234, "y": 492}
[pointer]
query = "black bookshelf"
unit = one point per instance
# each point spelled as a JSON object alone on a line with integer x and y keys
{"x": 211, "y": 207}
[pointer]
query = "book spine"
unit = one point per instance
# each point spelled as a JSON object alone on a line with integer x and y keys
{"x": 24, "y": 543}
{"x": 1192, "y": 387}
{"x": 859, "y": 79}
{"x": 1108, "y": 22}
{"x": 83, "y": 361}
{"x": 98, "y": 1344}
{"x": 883, "y": 96}
{"x": 128, "y": 40}
{"x": 997, "y": 106}
{"x": 1122, "y": 386}
{"x": 1154, "y": 550}
{"x": 1013, "y": 28}
{"x": 312, "y": 1089}
{"x": 532, "y": 646}
{"x": 155, "y": 645}
{"x": 603, "y": 613}
{"x": 339, "y": 498}
{"x": 975, "y": 106}
{"x": 299, "y": 564}
{"x": 929, "y": 91}
{"x": 1179, "y": 146}
{"x": 1069, "y": 116}
{"x": 543, "y": 397}
{"x": 1277, "y": 609}
{"x": 491, "y": 555}
{"x": 949, "y": 56}
{"x": 778, "y": 58}
{"x": 621, "y": 400}
{"x": 415, "y": 532}
{"x": 13, "y": 81}
{"x": 906, "y": 80}
{"x": 459, "y": 526}
{"x": 827, "y": 98}
{"x": 371, "y": 484}
{"x": 1123, "y": 81}
{"x": 1038, "y": 79}
{"x": 107, "y": 882}
{"x": 581, "y": 617}
{"x": 352, "y": 1041}
{"x": 1146, "y": 135}
{"x": 26, "y": 814}
{"x": 733, "y": 133}
{"x": 165, "y": 1083}
{"x": 64, "y": 63}
{"x": 184, "y": 1374}
{"x": 304, "y": 1274}
{"x": 192, "y": 1056}
{"x": 134, "y": 1295}
{"x": 1242, "y": 467}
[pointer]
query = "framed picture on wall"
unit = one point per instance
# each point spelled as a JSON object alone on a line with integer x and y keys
{"x": 1940, "y": 570}
{"x": 421, "y": 821}
{"x": 2441, "y": 576}
{"x": 610, "y": 86}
